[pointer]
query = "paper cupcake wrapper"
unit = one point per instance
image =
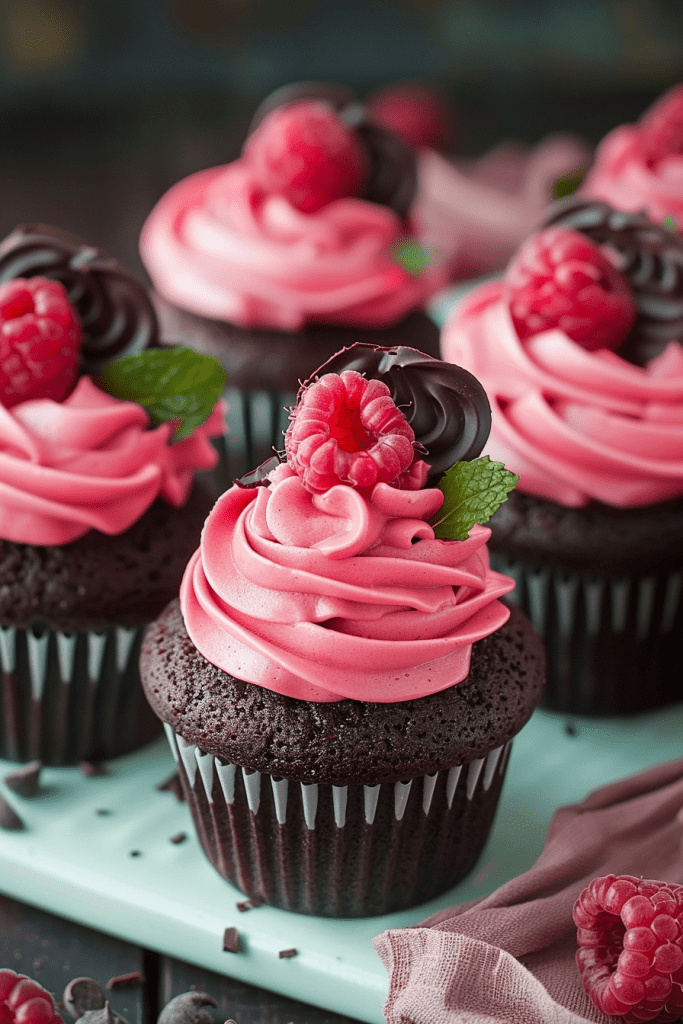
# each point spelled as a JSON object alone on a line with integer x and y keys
{"x": 344, "y": 851}
{"x": 611, "y": 643}
{"x": 66, "y": 697}
{"x": 256, "y": 421}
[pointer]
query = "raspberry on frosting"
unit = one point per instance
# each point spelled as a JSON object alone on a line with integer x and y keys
{"x": 305, "y": 152}
{"x": 630, "y": 954}
{"x": 348, "y": 430}
{"x": 40, "y": 338}
{"x": 559, "y": 278}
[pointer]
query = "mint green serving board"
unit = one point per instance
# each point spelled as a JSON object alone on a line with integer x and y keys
{"x": 76, "y": 863}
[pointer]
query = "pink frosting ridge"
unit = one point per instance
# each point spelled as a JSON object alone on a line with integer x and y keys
{"x": 477, "y": 213}
{"x": 217, "y": 246}
{"x": 575, "y": 425}
{"x": 339, "y": 595}
{"x": 91, "y": 462}
{"x": 624, "y": 178}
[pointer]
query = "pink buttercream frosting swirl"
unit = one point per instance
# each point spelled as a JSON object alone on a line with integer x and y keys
{"x": 626, "y": 178}
{"x": 575, "y": 425}
{"x": 218, "y": 246}
{"x": 91, "y": 462}
{"x": 345, "y": 594}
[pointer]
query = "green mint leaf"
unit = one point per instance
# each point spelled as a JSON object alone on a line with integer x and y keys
{"x": 669, "y": 224}
{"x": 568, "y": 183}
{"x": 473, "y": 491}
{"x": 169, "y": 383}
{"x": 413, "y": 257}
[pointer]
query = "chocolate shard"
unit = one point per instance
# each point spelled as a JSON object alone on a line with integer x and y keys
{"x": 259, "y": 477}
{"x": 172, "y": 785}
{"x": 9, "y": 819}
{"x": 125, "y": 980}
{"x": 231, "y": 940}
{"x": 104, "y": 1016}
{"x": 287, "y": 954}
{"x": 188, "y": 1008}
{"x": 82, "y": 995}
{"x": 445, "y": 405}
{"x": 25, "y": 781}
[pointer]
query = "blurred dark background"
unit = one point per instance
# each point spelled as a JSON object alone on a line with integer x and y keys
{"x": 105, "y": 103}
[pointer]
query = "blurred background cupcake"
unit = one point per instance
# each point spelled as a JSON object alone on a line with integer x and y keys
{"x": 579, "y": 348}
{"x": 99, "y": 510}
{"x": 340, "y": 685}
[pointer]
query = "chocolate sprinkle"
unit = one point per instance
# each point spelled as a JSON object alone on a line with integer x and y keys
{"x": 287, "y": 954}
{"x": 231, "y": 940}
{"x": 188, "y": 1008}
{"x": 173, "y": 785}
{"x": 25, "y": 781}
{"x": 9, "y": 819}
{"x": 652, "y": 265}
{"x": 444, "y": 404}
{"x": 115, "y": 311}
{"x": 179, "y": 837}
{"x": 243, "y": 905}
{"x": 125, "y": 980}
{"x": 93, "y": 769}
{"x": 82, "y": 995}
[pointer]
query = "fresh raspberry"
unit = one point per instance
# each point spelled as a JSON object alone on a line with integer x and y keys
{"x": 559, "y": 278}
{"x": 661, "y": 127}
{"x": 24, "y": 1001}
{"x": 420, "y": 115}
{"x": 39, "y": 341}
{"x": 630, "y": 935}
{"x": 305, "y": 152}
{"x": 347, "y": 430}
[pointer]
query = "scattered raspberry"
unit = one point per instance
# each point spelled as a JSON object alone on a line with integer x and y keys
{"x": 662, "y": 126}
{"x": 39, "y": 341}
{"x": 420, "y": 115}
{"x": 561, "y": 279}
{"x": 630, "y": 953}
{"x": 305, "y": 152}
{"x": 347, "y": 430}
{"x": 24, "y": 1001}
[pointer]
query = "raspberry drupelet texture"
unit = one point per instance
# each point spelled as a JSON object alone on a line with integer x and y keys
{"x": 560, "y": 279}
{"x": 40, "y": 339}
{"x": 346, "y": 429}
{"x": 305, "y": 152}
{"x": 662, "y": 126}
{"x": 630, "y": 936}
{"x": 24, "y": 1001}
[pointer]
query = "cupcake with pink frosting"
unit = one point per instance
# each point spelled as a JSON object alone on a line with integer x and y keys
{"x": 639, "y": 167}
{"x": 340, "y": 681}
{"x": 579, "y": 349}
{"x": 101, "y": 434}
{"x": 300, "y": 247}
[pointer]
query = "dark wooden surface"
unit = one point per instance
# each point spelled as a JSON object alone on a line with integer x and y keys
{"x": 53, "y": 951}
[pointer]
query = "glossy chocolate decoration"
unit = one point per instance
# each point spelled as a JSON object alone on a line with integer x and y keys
{"x": 392, "y": 170}
{"x": 652, "y": 265}
{"x": 114, "y": 308}
{"x": 445, "y": 405}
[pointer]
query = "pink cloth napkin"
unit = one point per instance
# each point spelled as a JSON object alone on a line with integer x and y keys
{"x": 509, "y": 958}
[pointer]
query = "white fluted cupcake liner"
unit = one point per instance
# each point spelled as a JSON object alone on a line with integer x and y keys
{"x": 66, "y": 697}
{"x": 613, "y": 645}
{"x": 340, "y": 851}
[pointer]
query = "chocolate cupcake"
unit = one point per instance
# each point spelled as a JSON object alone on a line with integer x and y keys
{"x": 340, "y": 687}
{"x": 301, "y": 247}
{"x": 99, "y": 510}
{"x": 580, "y": 351}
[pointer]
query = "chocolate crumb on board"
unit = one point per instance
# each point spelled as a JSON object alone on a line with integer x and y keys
{"x": 124, "y": 980}
{"x": 179, "y": 837}
{"x": 24, "y": 781}
{"x": 172, "y": 785}
{"x": 286, "y": 954}
{"x": 231, "y": 940}
{"x": 93, "y": 769}
{"x": 102, "y": 811}
{"x": 81, "y": 995}
{"x": 135, "y": 853}
{"x": 570, "y": 729}
{"x": 9, "y": 819}
{"x": 243, "y": 905}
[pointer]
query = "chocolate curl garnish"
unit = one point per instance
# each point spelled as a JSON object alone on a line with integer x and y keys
{"x": 114, "y": 309}
{"x": 392, "y": 169}
{"x": 652, "y": 263}
{"x": 445, "y": 405}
